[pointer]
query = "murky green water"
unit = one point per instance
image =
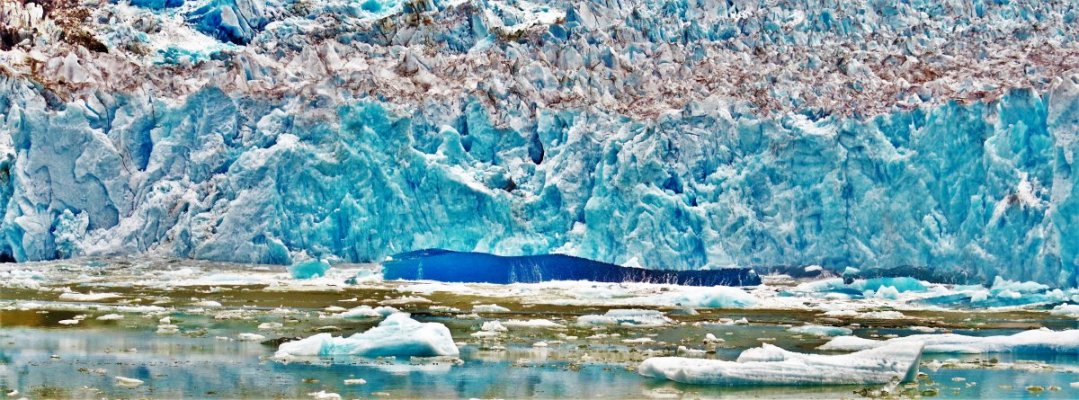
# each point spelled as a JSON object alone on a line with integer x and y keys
{"x": 82, "y": 362}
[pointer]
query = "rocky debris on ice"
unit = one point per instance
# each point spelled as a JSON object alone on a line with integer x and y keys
{"x": 771, "y": 365}
{"x": 1033, "y": 341}
{"x": 398, "y": 335}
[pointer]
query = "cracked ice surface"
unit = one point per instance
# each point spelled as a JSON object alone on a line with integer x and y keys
{"x": 660, "y": 134}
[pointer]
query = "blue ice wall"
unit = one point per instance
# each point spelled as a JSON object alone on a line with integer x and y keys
{"x": 978, "y": 190}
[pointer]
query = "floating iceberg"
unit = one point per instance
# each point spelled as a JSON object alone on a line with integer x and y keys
{"x": 771, "y": 365}
{"x": 397, "y": 335}
{"x": 452, "y": 266}
{"x": 309, "y": 269}
{"x": 366, "y": 311}
{"x": 1034, "y": 341}
{"x": 821, "y": 330}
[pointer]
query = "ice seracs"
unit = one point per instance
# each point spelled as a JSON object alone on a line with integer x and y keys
{"x": 397, "y": 335}
{"x": 771, "y": 365}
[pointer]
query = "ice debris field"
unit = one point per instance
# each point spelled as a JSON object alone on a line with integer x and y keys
{"x": 801, "y": 337}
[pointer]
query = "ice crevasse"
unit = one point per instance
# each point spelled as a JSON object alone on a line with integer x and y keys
{"x": 261, "y": 132}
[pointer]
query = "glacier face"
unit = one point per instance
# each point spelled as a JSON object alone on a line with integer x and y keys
{"x": 665, "y": 134}
{"x": 983, "y": 189}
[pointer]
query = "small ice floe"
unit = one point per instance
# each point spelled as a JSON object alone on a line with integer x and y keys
{"x": 324, "y": 395}
{"x": 493, "y": 326}
{"x": 88, "y": 297}
{"x": 638, "y": 341}
{"x": 127, "y": 382}
{"x": 485, "y": 334}
{"x": 705, "y": 297}
{"x": 626, "y": 317}
{"x": 771, "y": 365}
{"x": 1066, "y": 310}
{"x": 688, "y": 352}
{"x": 165, "y": 326}
{"x": 710, "y": 338}
{"x": 821, "y": 330}
{"x": 840, "y": 313}
{"x": 357, "y": 381}
{"x": 269, "y": 326}
{"x": 110, "y": 317}
{"x": 924, "y": 329}
{"x": 882, "y": 315}
{"x": 1033, "y": 341}
{"x": 206, "y": 304}
{"x": 813, "y": 268}
{"x": 69, "y": 321}
{"x": 489, "y": 308}
{"x": 334, "y": 309}
{"x": 397, "y": 335}
{"x": 539, "y": 344}
{"x": 532, "y": 323}
{"x": 363, "y": 312}
{"x": 250, "y": 337}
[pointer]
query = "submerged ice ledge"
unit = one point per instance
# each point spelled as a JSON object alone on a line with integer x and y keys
{"x": 451, "y": 266}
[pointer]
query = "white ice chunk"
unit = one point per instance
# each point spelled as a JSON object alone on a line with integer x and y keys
{"x": 532, "y": 323}
{"x": 127, "y": 382}
{"x": 1067, "y": 310}
{"x": 207, "y": 304}
{"x": 1040, "y": 340}
{"x": 489, "y": 308}
{"x": 771, "y": 365}
{"x": 821, "y": 330}
{"x": 73, "y": 296}
{"x": 324, "y": 395}
{"x": 251, "y": 337}
{"x": 627, "y": 317}
{"x": 397, "y": 335}
{"x": 367, "y": 312}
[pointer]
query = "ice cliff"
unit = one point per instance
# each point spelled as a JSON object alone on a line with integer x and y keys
{"x": 663, "y": 134}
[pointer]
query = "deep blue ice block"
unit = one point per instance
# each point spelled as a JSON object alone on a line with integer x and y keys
{"x": 452, "y": 266}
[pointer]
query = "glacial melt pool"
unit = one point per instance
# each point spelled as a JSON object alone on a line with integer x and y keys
{"x": 53, "y": 344}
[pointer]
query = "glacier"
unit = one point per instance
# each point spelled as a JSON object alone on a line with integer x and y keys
{"x": 254, "y": 131}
